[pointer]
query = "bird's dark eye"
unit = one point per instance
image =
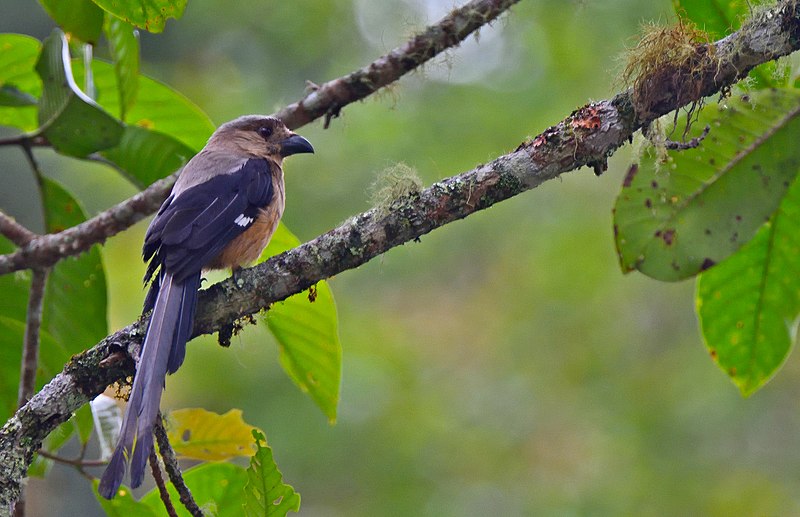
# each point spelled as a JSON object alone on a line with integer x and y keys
{"x": 265, "y": 131}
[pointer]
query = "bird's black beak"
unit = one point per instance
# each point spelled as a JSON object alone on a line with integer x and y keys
{"x": 295, "y": 144}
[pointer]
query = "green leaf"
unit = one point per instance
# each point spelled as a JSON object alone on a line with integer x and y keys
{"x": 266, "y": 494}
{"x": 11, "y": 96}
{"x": 306, "y": 327}
{"x": 216, "y": 487}
{"x": 146, "y": 156}
{"x": 13, "y": 309}
{"x": 720, "y": 18}
{"x": 84, "y": 423}
{"x": 15, "y": 288}
{"x": 200, "y": 434}
{"x": 150, "y": 15}
{"x": 73, "y": 123}
{"x": 75, "y": 300}
{"x": 124, "y": 505}
{"x": 52, "y": 357}
{"x": 79, "y": 18}
{"x": 675, "y": 219}
{"x": 749, "y": 304}
{"x": 158, "y": 107}
{"x": 717, "y": 17}
{"x": 123, "y": 43}
{"x": 18, "y": 56}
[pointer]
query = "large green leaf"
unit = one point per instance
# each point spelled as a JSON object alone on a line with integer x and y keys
{"x": 150, "y": 15}
{"x": 73, "y": 123}
{"x": 719, "y": 18}
{"x": 79, "y": 18}
{"x": 158, "y": 107}
{"x": 123, "y": 43}
{"x": 266, "y": 494}
{"x": 146, "y": 156}
{"x": 675, "y": 219}
{"x": 18, "y": 56}
{"x": 748, "y": 305}
{"x": 75, "y": 299}
{"x": 306, "y": 327}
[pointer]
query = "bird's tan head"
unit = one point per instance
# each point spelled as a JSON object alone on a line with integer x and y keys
{"x": 260, "y": 136}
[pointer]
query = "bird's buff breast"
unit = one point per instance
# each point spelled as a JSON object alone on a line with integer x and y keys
{"x": 247, "y": 247}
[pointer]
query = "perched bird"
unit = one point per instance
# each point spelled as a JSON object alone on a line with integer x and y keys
{"x": 221, "y": 213}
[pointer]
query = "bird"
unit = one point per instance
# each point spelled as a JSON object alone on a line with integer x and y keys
{"x": 221, "y": 213}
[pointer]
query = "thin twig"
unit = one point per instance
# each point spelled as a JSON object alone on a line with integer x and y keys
{"x": 30, "y": 348}
{"x": 31, "y": 139}
{"x": 173, "y": 469}
{"x": 328, "y": 99}
{"x": 162, "y": 487}
{"x": 14, "y": 231}
{"x": 691, "y": 144}
{"x": 80, "y": 463}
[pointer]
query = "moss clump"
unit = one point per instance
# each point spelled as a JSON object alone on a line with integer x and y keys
{"x": 668, "y": 67}
{"x": 393, "y": 183}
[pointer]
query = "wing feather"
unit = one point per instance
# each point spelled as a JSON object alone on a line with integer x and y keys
{"x": 195, "y": 225}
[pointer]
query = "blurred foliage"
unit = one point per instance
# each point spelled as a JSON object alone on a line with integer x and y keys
{"x": 503, "y": 364}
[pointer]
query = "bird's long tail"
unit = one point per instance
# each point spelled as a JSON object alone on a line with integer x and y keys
{"x": 163, "y": 351}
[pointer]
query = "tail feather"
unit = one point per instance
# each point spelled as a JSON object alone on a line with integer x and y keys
{"x": 183, "y": 326}
{"x": 168, "y": 330}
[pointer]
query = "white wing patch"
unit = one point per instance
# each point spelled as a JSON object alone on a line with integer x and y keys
{"x": 243, "y": 220}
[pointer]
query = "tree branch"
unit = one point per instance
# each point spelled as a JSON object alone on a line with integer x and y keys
{"x": 586, "y": 137}
{"x": 327, "y": 100}
{"x": 14, "y": 231}
{"x": 46, "y": 250}
{"x": 30, "y": 349}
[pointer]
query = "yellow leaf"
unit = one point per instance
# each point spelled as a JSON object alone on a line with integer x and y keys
{"x": 200, "y": 434}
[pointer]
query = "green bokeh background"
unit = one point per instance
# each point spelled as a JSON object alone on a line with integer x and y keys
{"x": 501, "y": 366}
